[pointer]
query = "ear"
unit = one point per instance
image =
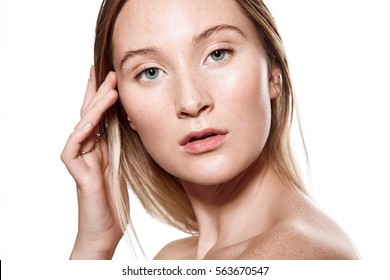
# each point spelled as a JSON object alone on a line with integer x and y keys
{"x": 275, "y": 83}
{"x": 132, "y": 125}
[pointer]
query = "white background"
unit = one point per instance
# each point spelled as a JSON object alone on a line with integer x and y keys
{"x": 339, "y": 58}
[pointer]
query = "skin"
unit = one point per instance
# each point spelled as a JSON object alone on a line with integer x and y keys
{"x": 186, "y": 79}
{"x": 99, "y": 229}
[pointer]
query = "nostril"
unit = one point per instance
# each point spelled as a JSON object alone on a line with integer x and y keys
{"x": 205, "y": 108}
{"x": 194, "y": 111}
{"x": 191, "y": 103}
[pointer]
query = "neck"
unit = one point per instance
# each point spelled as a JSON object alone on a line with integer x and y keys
{"x": 234, "y": 211}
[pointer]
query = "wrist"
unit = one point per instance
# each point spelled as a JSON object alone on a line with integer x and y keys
{"x": 93, "y": 250}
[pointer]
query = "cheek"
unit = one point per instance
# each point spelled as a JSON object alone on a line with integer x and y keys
{"x": 150, "y": 119}
{"x": 142, "y": 106}
{"x": 251, "y": 108}
{"x": 246, "y": 93}
{"x": 147, "y": 121}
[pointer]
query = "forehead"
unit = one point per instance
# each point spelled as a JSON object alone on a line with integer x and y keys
{"x": 159, "y": 22}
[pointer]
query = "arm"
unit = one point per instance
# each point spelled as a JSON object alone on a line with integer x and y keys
{"x": 86, "y": 159}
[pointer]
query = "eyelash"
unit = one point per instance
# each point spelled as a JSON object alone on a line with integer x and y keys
{"x": 226, "y": 51}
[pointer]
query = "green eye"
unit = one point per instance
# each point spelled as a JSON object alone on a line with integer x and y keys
{"x": 151, "y": 73}
{"x": 218, "y": 55}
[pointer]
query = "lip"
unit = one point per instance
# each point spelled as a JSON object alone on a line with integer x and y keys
{"x": 202, "y": 141}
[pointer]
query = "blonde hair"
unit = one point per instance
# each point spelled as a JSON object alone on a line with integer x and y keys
{"x": 160, "y": 193}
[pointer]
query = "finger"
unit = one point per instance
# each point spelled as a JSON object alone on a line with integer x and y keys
{"x": 93, "y": 96}
{"x": 108, "y": 85}
{"x": 91, "y": 88}
{"x": 94, "y": 112}
{"x": 98, "y": 157}
{"x": 71, "y": 153}
{"x": 79, "y": 164}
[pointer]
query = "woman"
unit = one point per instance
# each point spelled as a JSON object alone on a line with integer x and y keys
{"x": 190, "y": 104}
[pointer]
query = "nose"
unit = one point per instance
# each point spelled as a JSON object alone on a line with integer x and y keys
{"x": 193, "y": 97}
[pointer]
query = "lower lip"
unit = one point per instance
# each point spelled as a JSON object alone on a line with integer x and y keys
{"x": 205, "y": 145}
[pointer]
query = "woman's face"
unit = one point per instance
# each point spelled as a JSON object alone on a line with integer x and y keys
{"x": 194, "y": 82}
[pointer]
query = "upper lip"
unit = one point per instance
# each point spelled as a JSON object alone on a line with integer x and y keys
{"x": 195, "y": 135}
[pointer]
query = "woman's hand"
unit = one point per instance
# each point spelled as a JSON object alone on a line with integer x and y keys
{"x": 86, "y": 157}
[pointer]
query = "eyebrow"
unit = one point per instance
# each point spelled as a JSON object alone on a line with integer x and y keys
{"x": 139, "y": 52}
{"x": 196, "y": 39}
{"x": 217, "y": 29}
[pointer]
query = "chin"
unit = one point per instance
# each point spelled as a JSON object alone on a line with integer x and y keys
{"x": 207, "y": 180}
{"x": 214, "y": 174}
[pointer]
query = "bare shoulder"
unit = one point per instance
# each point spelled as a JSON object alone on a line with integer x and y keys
{"x": 297, "y": 243}
{"x": 309, "y": 235}
{"x": 184, "y": 249}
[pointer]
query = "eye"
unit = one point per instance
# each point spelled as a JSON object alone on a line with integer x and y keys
{"x": 149, "y": 74}
{"x": 219, "y": 55}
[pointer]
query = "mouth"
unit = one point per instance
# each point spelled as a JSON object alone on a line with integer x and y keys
{"x": 202, "y": 141}
{"x": 201, "y": 135}
{"x": 207, "y": 135}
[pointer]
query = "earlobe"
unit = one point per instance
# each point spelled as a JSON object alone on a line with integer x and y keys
{"x": 133, "y": 127}
{"x": 275, "y": 83}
